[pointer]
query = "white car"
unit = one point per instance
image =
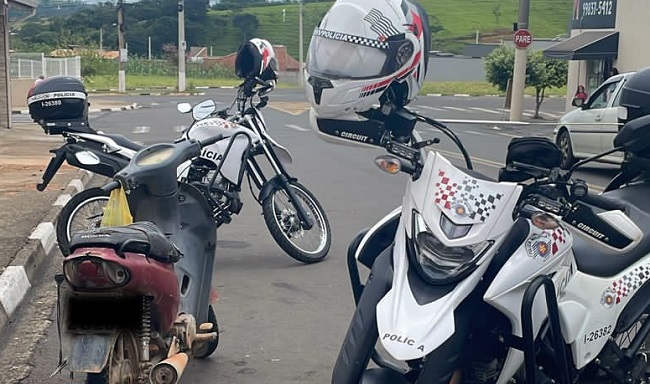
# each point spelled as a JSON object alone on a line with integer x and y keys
{"x": 590, "y": 128}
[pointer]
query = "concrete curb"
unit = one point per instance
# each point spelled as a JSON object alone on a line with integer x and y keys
{"x": 90, "y": 110}
{"x": 15, "y": 280}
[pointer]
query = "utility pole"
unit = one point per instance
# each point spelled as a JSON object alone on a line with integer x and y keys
{"x": 519, "y": 71}
{"x": 300, "y": 53}
{"x": 181, "y": 45}
{"x": 101, "y": 39}
{"x": 123, "y": 52}
{"x": 149, "y": 46}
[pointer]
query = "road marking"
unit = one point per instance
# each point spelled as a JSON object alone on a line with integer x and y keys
{"x": 179, "y": 128}
{"x": 430, "y": 108}
{"x": 478, "y": 133}
{"x": 155, "y": 104}
{"x": 486, "y": 110}
{"x": 296, "y": 127}
{"x": 142, "y": 129}
{"x": 292, "y": 108}
{"x": 509, "y": 135}
{"x": 457, "y": 109}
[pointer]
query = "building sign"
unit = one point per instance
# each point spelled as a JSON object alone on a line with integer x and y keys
{"x": 594, "y": 14}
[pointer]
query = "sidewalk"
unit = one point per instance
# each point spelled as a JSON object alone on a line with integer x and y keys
{"x": 27, "y": 216}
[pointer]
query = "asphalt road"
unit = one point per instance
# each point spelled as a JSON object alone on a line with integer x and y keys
{"x": 281, "y": 321}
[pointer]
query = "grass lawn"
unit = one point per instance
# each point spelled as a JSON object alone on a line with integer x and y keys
{"x": 459, "y": 19}
{"x": 133, "y": 82}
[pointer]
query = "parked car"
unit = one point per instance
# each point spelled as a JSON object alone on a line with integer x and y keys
{"x": 590, "y": 128}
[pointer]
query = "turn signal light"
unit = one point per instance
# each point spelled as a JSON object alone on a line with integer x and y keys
{"x": 95, "y": 273}
{"x": 388, "y": 164}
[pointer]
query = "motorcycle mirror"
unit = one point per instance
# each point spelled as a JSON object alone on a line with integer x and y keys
{"x": 184, "y": 107}
{"x": 203, "y": 109}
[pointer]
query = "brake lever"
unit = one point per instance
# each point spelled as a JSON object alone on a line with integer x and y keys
{"x": 425, "y": 143}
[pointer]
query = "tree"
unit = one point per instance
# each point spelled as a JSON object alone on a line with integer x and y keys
{"x": 246, "y": 23}
{"x": 545, "y": 73}
{"x": 541, "y": 72}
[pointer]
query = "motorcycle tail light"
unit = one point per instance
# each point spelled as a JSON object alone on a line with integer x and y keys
{"x": 95, "y": 273}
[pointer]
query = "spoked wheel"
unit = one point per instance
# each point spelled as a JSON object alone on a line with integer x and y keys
{"x": 307, "y": 246}
{"x": 84, "y": 211}
{"x": 122, "y": 366}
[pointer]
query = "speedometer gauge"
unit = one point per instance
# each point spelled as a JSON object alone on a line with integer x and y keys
{"x": 155, "y": 157}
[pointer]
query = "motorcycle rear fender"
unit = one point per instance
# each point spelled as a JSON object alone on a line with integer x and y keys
{"x": 107, "y": 164}
{"x": 89, "y": 352}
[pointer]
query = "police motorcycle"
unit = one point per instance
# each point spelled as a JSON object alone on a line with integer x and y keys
{"x": 522, "y": 279}
{"x": 295, "y": 218}
{"x": 134, "y": 301}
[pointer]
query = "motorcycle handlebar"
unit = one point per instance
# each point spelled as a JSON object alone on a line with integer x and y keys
{"x": 210, "y": 141}
{"x": 111, "y": 186}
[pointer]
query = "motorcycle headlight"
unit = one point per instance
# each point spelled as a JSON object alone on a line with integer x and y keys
{"x": 438, "y": 263}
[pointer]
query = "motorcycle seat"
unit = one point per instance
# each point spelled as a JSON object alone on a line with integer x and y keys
{"x": 140, "y": 237}
{"x": 604, "y": 262}
{"x": 123, "y": 141}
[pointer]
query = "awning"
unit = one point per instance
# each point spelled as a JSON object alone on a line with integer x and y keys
{"x": 586, "y": 46}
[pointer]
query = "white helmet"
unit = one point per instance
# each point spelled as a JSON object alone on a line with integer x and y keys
{"x": 364, "y": 53}
{"x": 256, "y": 58}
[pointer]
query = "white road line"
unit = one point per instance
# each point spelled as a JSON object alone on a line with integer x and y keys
{"x": 486, "y": 110}
{"x": 142, "y": 129}
{"x": 296, "y": 127}
{"x": 179, "y": 128}
{"x": 430, "y": 108}
{"x": 508, "y": 135}
{"x": 457, "y": 109}
{"x": 478, "y": 133}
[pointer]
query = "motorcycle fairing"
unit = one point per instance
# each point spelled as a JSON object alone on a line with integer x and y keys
{"x": 408, "y": 330}
{"x": 544, "y": 252}
{"x": 591, "y": 306}
{"x": 244, "y": 137}
{"x": 90, "y": 352}
{"x": 443, "y": 189}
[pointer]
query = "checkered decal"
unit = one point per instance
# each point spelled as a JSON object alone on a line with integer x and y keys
{"x": 559, "y": 237}
{"x": 628, "y": 284}
{"x": 351, "y": 38}
{"x": 479, "y": 204}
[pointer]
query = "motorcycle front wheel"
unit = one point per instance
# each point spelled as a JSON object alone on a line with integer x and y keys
{"x": 307, "y": 246}
{"x": 84, "y": 211}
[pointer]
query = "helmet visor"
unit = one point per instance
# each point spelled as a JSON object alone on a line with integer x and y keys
{"x": 338, "y": 58}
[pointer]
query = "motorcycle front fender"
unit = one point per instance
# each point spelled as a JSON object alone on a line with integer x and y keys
{"x": 383, "y": 376}
{"x": 89, "y": 352}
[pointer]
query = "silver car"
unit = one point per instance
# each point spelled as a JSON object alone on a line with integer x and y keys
{"x": 590, "y": 128}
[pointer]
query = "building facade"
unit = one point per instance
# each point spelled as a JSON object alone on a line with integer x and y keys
{"x": 605, "y": 34}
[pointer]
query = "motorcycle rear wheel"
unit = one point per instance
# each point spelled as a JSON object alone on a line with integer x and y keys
{"x": 206, "y": 349}
{"x": 307, "y": 246}
{"x": 123, "y": 363}
{"x": 84, "y": 211}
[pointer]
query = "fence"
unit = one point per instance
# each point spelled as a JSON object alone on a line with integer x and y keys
{"x": 32, "y": 65}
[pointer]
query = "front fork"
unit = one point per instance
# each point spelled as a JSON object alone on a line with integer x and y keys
{"x": 280, "y": 181}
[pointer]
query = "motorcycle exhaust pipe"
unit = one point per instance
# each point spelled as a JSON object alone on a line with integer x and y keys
{"x": 169, "y": 371}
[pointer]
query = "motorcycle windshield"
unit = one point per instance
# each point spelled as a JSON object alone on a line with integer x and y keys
{"x": 450, "y": 211}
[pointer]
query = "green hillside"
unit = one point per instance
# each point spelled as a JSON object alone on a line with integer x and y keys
{"x": 459, "y": 20}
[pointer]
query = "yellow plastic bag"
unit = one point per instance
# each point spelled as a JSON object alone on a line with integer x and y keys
{"x": 117, "y": 211}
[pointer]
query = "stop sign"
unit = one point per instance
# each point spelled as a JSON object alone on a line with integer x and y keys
{"x": 523, "y": 38}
